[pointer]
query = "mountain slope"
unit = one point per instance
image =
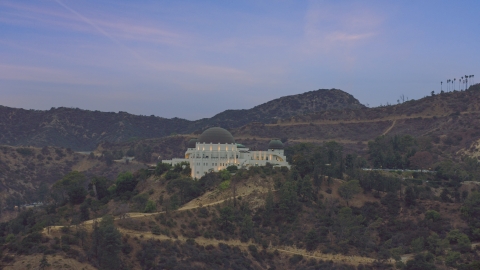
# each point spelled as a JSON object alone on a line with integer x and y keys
{"x": 84, "y": 130}
{"x": 285, "y": 107}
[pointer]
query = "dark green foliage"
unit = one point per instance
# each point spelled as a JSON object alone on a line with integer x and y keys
{"x": 25, "y": 151}
{"x": 187, "y": 188}
{"x": 161, "y": 168}
{"x": 308, "y": 158}
{"x": 146, "y": 256}
{"x": 445, "y": 196}
{"x": 471, "y": 210}
{"x": 43, "y": 263}
{"x": 312, "y": 240}
{"x": 126, "y": 182}
{"x": 210, "y": 180}
{"x": 288, "y": 204}
{"x": 349, "y": 189}
{"x": 304, "y": 189}
{"x": 246, "y": 230}
{"x": 269, "y": 209}
{"x": 182, "y": 168}
{"x": 143, "y": 153}
{"x": 108, "y": 157}
{"x": 232, "y": 168}
{"x": 140, "y": 201}
{"x": 410, "y": 197}
{"x": 172, "y": 175}
{"x": 392, "y": 152}
{"x": 77, "y": 194}
{"x": 71, "y": 188}
{"x": 373, "y": 180}
{"x": 392, "y": 203}
{"x": 84, "y": 212}
{"x": 150, "y": 207}
{"x": 295, "y": 259}
{"x": 432, "y": 215}
{"x": 471, "y": 266}
{"x": 225, "y": 220}
{"x": 107, "y": 244}
{"x": 101, "y": 186}
{"x": 421, "y": 262}
{"x": 349, "y": 225}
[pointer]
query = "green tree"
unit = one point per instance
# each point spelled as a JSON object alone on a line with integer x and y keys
{"x": 99, "y": 185}
{"x": 410, "y": 197}
{"x": 433, "y": 215}
{"x": 311, "y": 240}
{"x": 348, "y": 226}
{"x": 452, "y": 258}
{"x": 161, "y": 168}
{"x": 150, "y": 207}
{"x": 125, "y": 182}
{"x": 289, "y": 205}
{"x": 418, "y": 245}
{"x": 471, "y": 210}
{"x": 246, "y": 231}
{"x": 71, "y": 188}
{"x": 392, "y": 203}
{"x": 436, "y": 245}
{"x": 349, "y": 189}
{"x": 42, "y": 192}
{"x": 226, "y": 219}
{"x": 109, "y": 244}
{"x": 84, "y": 212}
{"x": 225, "y": 175}
{"x": 269, "y": 209}
{"x": 44, "y": 262}
{"x": 108, "y": 157}
{"x": 77, "y": 194}
{"x": 304, "y": 189}
{"x": 146, "y": 256}
{"x": 460, "y": 240}
{"x": 421, "y": 262}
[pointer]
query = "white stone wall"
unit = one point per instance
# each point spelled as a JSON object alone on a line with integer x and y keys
{"x": 205, "y": 158}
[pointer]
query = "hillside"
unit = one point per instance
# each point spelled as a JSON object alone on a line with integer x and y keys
{"x": 26, "y": 173}
{"x": 276, "y": 220}
{"x": 449, "y": 122}
{"x": 84, "y": 130}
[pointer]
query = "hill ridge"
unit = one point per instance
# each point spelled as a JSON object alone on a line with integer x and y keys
{"x": 80, "y": 129}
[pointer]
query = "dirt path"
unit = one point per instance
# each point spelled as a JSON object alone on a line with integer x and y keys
{"x": 352, "y": 260}
{"x": 390, "y": 128}
{"x": 388, "y": 118}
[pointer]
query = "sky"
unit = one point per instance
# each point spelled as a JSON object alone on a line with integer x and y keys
{"x": 194, "y": 59}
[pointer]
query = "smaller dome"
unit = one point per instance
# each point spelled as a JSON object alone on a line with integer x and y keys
{"x": 192, "y": 143}
{"x": 239, "y": 145}
{"x": 275, "y": 144}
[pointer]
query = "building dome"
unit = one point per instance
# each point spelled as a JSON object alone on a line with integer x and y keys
{"x": 216, "y": 135}
{"x": 192, "y": 143}
{"x": 275, "y": 144}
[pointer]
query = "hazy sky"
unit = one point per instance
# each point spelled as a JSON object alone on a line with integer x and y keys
{"x": 193, "y": 59}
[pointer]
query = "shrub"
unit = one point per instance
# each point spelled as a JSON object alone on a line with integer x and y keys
{"x": 150, "y": 207}
{"x": 224, "y": 185}
{"x": 156, "y": 230}
{"x": 295, "y": 259}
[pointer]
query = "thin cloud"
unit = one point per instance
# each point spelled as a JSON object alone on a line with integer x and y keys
{"x": 111, "y": 27}
{"x": 42, "y": 74}
{"x": 326, "y": 31}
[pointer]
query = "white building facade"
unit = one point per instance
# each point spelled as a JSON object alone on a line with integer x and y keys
{"x": 216, "y": 149}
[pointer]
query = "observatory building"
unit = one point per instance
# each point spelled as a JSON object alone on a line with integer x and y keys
{"x": 216, "y": 149}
